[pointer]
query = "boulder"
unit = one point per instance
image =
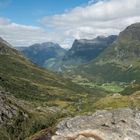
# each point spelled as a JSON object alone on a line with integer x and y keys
{"x": 119, "y": 124}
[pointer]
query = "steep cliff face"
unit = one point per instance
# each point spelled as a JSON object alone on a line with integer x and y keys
{"x": 120, "y": 124}
{"x": 84, "y": 50}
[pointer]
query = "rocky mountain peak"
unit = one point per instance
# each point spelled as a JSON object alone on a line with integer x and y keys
{"x": 85, "y": 50}
{"x": 45, "y": 45}
{"x": 99, "y": 40}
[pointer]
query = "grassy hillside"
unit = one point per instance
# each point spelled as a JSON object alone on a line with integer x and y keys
{"x": 40, "y": 97}
{"x": 35, "y": 99}
{"x": 20, "y": 119}
{"x": 118, "y": 101}
{"x": 27, "y": 81}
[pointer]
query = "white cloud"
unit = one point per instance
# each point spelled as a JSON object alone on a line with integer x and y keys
{"x": 99, "y": 17}
{"x": 23, "y": 35}
{"x": 104, "y": 17}
{"x": 19, "y": 35}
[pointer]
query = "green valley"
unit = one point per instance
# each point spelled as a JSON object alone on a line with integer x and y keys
{"x": 34, "y": 99}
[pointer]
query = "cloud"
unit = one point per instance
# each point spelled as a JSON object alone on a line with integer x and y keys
{"x": 102, "y": 17}
{"x": 25, "y": 35}
{"x": 98, "y": 17}
{"x": 20, "y": 35}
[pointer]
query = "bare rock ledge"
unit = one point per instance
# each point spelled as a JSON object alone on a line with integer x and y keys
{"x": 120, "y": 124}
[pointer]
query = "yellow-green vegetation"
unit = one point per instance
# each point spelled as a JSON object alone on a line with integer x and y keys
{"x": 118, "y": 101}
{"x": 29, "y": 82}
{"x": 112, "y": 87}
{"x": 119, "y": 62}
{"x": 109, "y": 87}
{"x": 26, "y": 118}
{"x": 42, "y": 98}
{"x": 41, "y": 95}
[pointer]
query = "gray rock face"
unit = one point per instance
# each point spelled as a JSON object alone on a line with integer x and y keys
{"x": 9, "y": 110}
{"x": 121, "y": 124}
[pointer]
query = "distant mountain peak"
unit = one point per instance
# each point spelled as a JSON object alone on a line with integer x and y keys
{"x": 45, "y": 45}
{"x": 47, "y": 54}
{"x": 99, "y": 41}
{"x": 85, "y": 50}
{"x": 50, "y": 43}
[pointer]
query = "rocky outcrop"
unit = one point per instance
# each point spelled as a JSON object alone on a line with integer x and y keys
{"x": 120, "y": 124}
{"x": 9, "y": 110}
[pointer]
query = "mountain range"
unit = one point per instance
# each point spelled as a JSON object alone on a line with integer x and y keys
{"x": 120, "y": 62}
{"x": 51, "y": 56}
{"x": 33, "y": 98}
{"x": 47, "y": 55}
{"x": 83, "y": 50}
{"x": 98, "y": 74}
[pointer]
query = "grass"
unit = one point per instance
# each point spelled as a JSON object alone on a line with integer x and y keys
{"x": 38, "y": 91}
{"x": 28, "y": 118}
{"x": 118, "y": 101}
{"x": 119, "y": 63}
{"x": 26, "y": 81}
{"x": 46, "y": 97}
{"x": 111, "y": 87}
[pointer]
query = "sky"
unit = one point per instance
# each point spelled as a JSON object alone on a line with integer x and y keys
{"x": 25, "y": 22}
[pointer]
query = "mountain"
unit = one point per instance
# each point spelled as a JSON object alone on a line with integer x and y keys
{"x": 83, "y": 50}
{"x": 51, "y": 56}
{"x": 27, "y": 81}
{"x": 19, "y": 119}
{"x": 47, "y": 55}
{"x": 32, "y": 98}
{"x": 119, "y": 62}
{"x": 4, "y": 42}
